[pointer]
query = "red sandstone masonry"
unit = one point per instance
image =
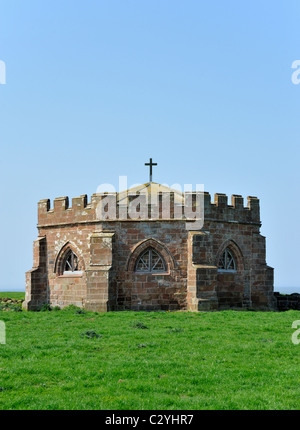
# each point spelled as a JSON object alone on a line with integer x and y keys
{"x": 81, "y": 211}
{"x": 107, "y": 249}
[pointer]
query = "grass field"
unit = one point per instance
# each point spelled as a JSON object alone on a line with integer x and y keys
{"x": 162, "y": 360}
{"x": 13, "y": 295}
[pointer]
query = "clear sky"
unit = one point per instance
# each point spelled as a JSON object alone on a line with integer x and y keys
{"x": 96, "y": 87}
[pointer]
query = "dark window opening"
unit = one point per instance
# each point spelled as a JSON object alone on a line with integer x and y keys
{"x": 227, "y": 262}
{"x": 71, "y": 264}
{"x": 150, "y": 261}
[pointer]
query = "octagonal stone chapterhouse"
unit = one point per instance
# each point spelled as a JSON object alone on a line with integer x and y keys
{"x": 130, "y": 251}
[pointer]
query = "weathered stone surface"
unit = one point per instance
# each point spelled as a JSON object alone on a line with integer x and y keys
{"x": 108, "y": 249}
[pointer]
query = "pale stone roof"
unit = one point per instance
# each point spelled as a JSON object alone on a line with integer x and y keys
{"x": 152, "y": 188}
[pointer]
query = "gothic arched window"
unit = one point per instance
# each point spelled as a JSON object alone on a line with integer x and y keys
{"x": 227, "y": 262}
{"x": 70, "y": 263}
{"x": 150, "y": 261}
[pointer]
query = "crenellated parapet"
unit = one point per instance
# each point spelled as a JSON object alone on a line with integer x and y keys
{"x": 145, "y": 206}
{"x": 220, "y": 210}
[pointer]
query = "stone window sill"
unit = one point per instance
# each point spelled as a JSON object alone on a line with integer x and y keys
{"x": 226, "y": 271}
{"x": 71, "y": 275}
{"x": 152, "y": 273}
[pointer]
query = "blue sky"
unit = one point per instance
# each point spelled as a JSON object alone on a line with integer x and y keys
{"x": 94, "y": 88}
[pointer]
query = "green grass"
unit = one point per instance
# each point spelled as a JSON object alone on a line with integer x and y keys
{"x": 158, "y": 360}
{"x": 12, "y": 295}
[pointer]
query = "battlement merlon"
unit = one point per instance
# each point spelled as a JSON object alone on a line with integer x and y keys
{"x": 106, "y": 207}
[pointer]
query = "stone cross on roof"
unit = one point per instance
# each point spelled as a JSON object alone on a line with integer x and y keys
{"x": 150, "y": 164}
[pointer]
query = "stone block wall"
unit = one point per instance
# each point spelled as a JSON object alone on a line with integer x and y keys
{"x": 108, "y": 249}
{"x": 139, "y": 291}
{"x": 286, "y": 302}
{"x": 37, "y": 286}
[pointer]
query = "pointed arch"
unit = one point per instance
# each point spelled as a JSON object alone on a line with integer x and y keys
{"x": 69, "y": 259}
{"x": 150, "y": 261}
{"x": 154, "y": 247}
{"x": 231, "y": 256}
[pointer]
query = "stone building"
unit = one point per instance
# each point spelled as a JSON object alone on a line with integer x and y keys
{"x": 144, "y": 257}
